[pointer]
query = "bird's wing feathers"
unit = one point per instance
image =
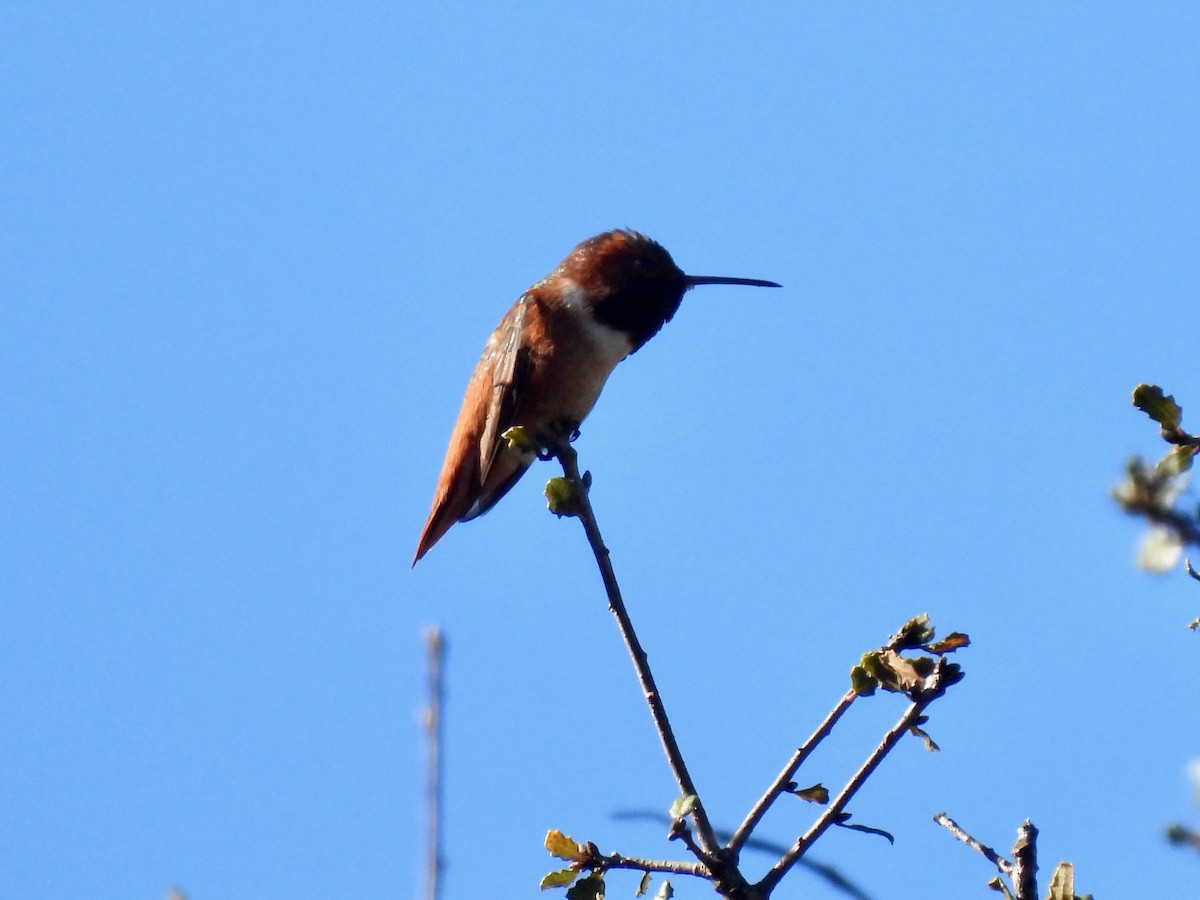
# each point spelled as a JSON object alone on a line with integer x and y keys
{"x": 509, "y": 375}
{"x": 474, "y": 474}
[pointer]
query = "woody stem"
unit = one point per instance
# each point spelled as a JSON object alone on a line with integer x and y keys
{"x": 704, "y": 831}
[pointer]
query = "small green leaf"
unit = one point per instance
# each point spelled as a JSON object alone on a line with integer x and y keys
{"x": 664, "y": 892}
{"x": 590, "y": 888}
{"x": 1163, "y": 409}
{"x": 998, "y": 885}
{"x": 818, "y": 793}
{"x": 561, "y": 497}
{"x": 862, "y": 682}
{"x": 519, "y": 440}
{"x": 562, "y": 846}
{"x": 643, "y": 885}
{"x": 683, "y": 806}
{"x": 1177, "y": 461}
{"x": 558, "y": 879}
{"x": 915, "y": 632}
{"x": 923, "y": 666}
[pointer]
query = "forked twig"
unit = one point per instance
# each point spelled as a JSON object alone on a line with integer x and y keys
{"x": 1021, "y": 871}
{"x": 830, "y": 874}
{"x": 569, "y": 496}
{"x": 834, "y": 812}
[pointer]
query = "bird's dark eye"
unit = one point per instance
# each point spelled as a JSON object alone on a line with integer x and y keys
{"x": 644, "y": 264}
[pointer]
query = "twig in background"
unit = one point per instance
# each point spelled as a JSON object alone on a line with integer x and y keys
{"x": 435, "y": 647}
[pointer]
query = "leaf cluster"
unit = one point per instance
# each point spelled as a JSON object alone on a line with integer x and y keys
{"x": 888, "y": 668}
{"x": 1153, "y": 491}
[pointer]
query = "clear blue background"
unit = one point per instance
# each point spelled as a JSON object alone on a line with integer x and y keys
{"x": 250, "y": 255}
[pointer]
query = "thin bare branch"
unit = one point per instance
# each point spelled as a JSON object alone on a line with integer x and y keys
{"x": 721, "y": 866}
{"x": 1002, "y": 864}
{"x": 831, "y": 875}
{"x": 569, "y": 459}
{"x": 935, "y": 688}
{"x": 777, "y": 787}
{"x": 667, "y": 866}
{"x": 1021, "y": 871}
{"x": 679, "y": 831}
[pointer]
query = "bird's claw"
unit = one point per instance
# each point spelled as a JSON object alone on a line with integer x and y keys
{"x": 566, "y": 430}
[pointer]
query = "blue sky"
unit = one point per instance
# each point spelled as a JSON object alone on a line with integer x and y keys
{"x": 252, "y": 253}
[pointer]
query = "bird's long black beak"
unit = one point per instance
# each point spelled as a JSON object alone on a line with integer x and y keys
{"x": 693, "y": 280}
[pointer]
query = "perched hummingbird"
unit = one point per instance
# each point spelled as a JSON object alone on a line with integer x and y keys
{"x": 546, "y": 362}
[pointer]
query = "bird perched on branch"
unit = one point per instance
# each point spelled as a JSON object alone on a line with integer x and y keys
{"x": 546, "y": 362}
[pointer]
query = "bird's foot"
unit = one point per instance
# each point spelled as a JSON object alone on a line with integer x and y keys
{"x": 570, "y": 430}
{"x": 564, "y": 431}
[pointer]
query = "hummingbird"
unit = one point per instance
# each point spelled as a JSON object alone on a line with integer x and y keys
{"x": 545, "y": 364}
